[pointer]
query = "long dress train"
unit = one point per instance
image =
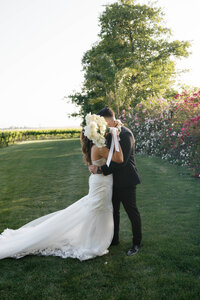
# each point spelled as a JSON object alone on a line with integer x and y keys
{"x": 83, "y": 230}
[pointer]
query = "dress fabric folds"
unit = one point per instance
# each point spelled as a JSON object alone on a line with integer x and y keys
{"x": 83, "y": 230}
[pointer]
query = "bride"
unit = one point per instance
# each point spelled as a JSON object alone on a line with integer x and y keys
{"x": 83, "y": 230}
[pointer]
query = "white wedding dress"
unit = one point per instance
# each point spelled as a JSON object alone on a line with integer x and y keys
{"x": 83, "y": 230}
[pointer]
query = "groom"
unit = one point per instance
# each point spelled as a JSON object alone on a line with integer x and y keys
{"x": 125, "y": 179}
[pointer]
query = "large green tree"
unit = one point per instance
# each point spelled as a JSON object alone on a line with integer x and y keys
{"x": 133, "y": 59}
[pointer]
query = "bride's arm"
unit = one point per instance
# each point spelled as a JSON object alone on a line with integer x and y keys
{"x": 116, "y": 157}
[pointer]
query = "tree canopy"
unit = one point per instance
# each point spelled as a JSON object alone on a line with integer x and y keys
{"x": 133, "y": 59}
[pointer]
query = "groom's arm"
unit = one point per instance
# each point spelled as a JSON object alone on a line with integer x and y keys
{"x": 127, "y": 144}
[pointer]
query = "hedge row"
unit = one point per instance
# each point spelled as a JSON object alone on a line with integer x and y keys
{"x": 8, "y": 137}
{"x": 168, "y": 128}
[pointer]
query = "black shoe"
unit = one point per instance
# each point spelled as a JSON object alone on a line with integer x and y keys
{"x": 134, "y": 250}
{"x": 114, "y": 243}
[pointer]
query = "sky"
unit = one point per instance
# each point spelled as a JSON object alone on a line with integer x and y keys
{"x": 42, "y": 43}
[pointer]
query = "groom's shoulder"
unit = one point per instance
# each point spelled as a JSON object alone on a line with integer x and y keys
{"x": 126, "y": 133}
{"x": 125, "y": 130}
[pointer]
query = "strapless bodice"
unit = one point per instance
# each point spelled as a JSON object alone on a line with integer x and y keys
{"x": 99, "y": 162}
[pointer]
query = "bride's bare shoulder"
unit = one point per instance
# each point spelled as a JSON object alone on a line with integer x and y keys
{"x": 95, "y": 153}
{"x": 94, "y": 149}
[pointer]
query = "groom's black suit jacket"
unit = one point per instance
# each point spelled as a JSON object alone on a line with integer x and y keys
{"x": 126, "y": 173}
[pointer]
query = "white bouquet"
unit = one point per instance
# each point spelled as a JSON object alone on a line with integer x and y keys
{"x": 95, "y": 129}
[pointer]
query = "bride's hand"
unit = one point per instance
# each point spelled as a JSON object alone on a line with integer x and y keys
{"x": 93, "y": 169}
{"x": 118, "y": 123}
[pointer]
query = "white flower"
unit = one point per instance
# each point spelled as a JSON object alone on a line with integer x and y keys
{"x": 95, "y": 129}
{"x": 88, "y": 118}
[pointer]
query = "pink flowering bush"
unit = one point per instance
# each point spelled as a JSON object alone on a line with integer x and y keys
{"x": 170, "y": 129}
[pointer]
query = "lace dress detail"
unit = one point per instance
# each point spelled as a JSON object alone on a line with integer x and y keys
{"x": 83, "y": 230}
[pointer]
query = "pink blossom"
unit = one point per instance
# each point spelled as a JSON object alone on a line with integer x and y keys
{"x": 176, "y": 96}
{"x": 123, "y": 111}
{"x": 129, "y": 108}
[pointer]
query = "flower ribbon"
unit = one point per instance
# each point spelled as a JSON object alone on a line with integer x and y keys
{"x": 114, "y": 144}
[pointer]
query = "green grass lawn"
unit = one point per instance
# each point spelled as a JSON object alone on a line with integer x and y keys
{"x": 37, "y": 178}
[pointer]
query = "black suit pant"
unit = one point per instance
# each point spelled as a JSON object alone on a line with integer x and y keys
{"x": 128, "y": 198}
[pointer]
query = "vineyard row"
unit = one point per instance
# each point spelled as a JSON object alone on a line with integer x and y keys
{"x": 11, "y": 136}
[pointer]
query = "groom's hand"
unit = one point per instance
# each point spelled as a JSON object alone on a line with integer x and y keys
{"x": 93, "y": 169}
